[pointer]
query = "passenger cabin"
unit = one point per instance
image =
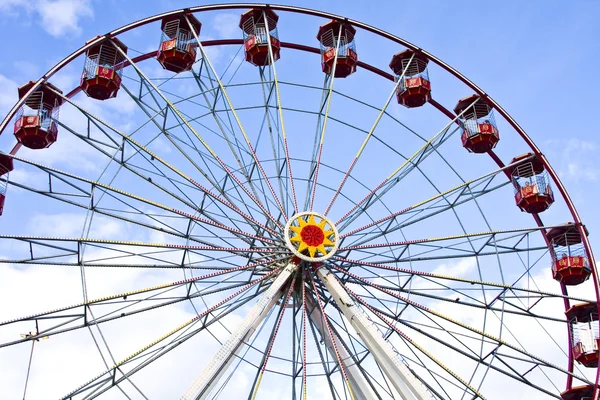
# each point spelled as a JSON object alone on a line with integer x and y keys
{"x": 570, "y": 264}
{"x": 583, "y": 319}
{"x": 480, "y": 133}
{"x": 533, "y": 193}
{"x": 259, "y": 27}
{"x": 35, "y": 121}
{"x": 338, "y": 49}
{"x": 101, "y": 78}
{"x": 412, "y": 78}
{"x": 178, "y": 44}
{"x": 578, "y": 393}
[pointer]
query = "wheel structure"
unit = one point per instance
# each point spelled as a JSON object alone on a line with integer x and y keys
{"x": 241, "y": 221}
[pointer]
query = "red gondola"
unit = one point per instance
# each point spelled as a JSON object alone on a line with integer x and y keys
{"x": 35, "y": 121}
{"x": 177, "y": 51}
{"x": 102, "y": 71}
{"x": 570, "y": 264}
{"x": 533, "y": 192}
{"x": 338, "y": 35}
{"x": 480, "y": 133}
{"x": 255, "y": 23}
{"x": 414, "y": 88}
{"x": 578, "y": 393}
{"x": 585, "y": 337}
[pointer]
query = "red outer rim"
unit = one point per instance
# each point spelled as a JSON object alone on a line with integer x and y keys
{"x": 561, "y": 189}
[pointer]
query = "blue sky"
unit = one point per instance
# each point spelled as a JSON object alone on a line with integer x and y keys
{"x": 538, "y": 59}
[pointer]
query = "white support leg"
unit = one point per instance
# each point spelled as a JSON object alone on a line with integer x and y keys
{"x": 407, "y": 385}
{"x": 222, "y": 360}
{"x": 361, "y": 388}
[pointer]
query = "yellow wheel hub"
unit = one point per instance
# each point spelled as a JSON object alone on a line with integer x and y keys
{"x": 311, "y": 236}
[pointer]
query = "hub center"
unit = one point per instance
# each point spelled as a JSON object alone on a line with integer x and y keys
{"x": 311, "y": 236}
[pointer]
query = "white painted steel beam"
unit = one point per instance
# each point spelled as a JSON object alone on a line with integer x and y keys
{"x": 403, "y": 380}
{"x": 222, "y": 360}
{"x": 360, "y": 387}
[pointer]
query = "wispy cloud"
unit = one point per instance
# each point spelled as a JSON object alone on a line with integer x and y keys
{"x": 57, "y": 17}
{"x": 27, "y": 69}
{"x": 574, "y": 158}
{"x": 227, "y": 25}
{"x": 8, "y": 94}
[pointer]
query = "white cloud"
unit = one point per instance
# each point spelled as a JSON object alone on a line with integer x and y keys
{"x": 27, "y": 69}
{"x": 70, "y": 225}
{"x": 459, "y": 269}
{"x": 57, "y": 17}
{"x": 60, "y": 17}
{"x": 8, "y": 94}
{"x": 227, "y": 25}
{"x": 577, "y": 172}
{"x": 574, "y": 159}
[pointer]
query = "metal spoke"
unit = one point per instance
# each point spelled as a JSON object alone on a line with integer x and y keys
{"x": 81, "y": 315}
{"x": 242, "y": 130}
{"x": 281, "y": 119}
{"x": 406, "y": 167}
{"x": 94, "y": 185}
{"x": 79, "y": 241}
{"x": 277, "y": 146}
{"x": 191, "y": 129}
{"x": 330, "y": 334}
{"x": 483, "y": 180}
{"x": 454, "y": 321}
{"x": 88, "y": 196}
{"x": 284, "y": 304}
{"x": 109, "y": 376}
{"x": 424, "y": 293}
{"x": 482, "y": 235}
{"x": 364, "y": 144}
{"x": 324, "y": 122}
{"x": 318, "y": 133}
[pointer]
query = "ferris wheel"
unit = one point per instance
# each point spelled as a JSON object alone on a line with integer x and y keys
{"x": 271, "y": 215}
